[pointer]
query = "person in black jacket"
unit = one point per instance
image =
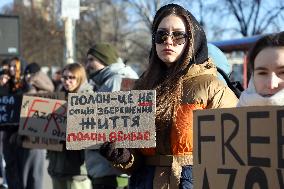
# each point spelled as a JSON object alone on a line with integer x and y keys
{"x": 10, "y": 149}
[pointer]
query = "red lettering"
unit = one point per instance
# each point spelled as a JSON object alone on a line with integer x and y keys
{"x": 93, "y": 136}
{"x": 119, "y": 136}
{"x": 32, "y": 110}
{"x": 101, "y": 137}
{"x": 139, "y": 136}
{"x": 80, "y": 136}
{"x": 145, "y": 104}
{"x": 71, "y": 135}
{"x": 126, "y": 136}
{"x": 112, "y": 137}
{"x": 86, "y": 136}
{"x": 133, "y": 136}
{"x": 55, "y": 107}
{"x": 147, "y": 135}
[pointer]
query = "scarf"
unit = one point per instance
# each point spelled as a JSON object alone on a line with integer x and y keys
{"x": 250, "y": 97}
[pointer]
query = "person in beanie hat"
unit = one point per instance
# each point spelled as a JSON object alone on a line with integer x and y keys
{"x": 105, "y": 53}
{"x": 106, "y": 71}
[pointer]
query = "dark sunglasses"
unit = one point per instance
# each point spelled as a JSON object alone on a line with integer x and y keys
{"x": 68, "y": 77}
{"x": 178, "y": 37}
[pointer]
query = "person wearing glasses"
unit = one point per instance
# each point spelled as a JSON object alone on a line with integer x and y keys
{"x": 266, "y": 63}
{"x": 67, "y": 168}
{"x": 106, "y": 71}
{"x": 185, "y": 79}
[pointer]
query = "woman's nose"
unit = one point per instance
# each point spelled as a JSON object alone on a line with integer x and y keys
{"x": 169, "y": 40}
{"x": 274, "y": 81}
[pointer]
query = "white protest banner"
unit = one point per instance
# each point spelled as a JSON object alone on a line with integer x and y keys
{"x": 43, "y": 117}
{"x": 42, "y": 143}
{"x": 239, "y": 148}
{"x": 127, "y": 117}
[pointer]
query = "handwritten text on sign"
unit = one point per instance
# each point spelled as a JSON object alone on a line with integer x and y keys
{"x": 43, "y": 117}
{"x": 42, "y": 143}
{"x": 239, "y": 148}
{"x": 10, "y": 109}
{"x": 125, "y": 117}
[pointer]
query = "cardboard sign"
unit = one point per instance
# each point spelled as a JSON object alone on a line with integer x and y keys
{"x": 125, "y": 117}
{"x": 42, "y": 143}
{"x": 239, "y": 148}
{"x": 43, "y": 117}
{"x": 53, "y": 95}
{"x": 10, "y": 110}
{"x": 127, "y": 84}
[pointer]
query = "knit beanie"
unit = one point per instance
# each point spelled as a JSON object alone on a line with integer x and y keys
{"x": 105, "y": 52}
{"x": 32, "y": 68}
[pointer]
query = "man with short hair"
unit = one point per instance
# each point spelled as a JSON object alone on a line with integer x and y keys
{"x": 106, "y": 71}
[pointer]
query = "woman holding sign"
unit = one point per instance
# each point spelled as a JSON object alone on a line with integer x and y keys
{"x": 185, "y": 79}
{"x": 67, "y": 168}
{"x": 266, "y": 60}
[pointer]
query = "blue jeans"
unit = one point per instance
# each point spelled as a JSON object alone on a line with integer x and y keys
{"x": 143, "y": 178}
{"x": 186, "y": 179}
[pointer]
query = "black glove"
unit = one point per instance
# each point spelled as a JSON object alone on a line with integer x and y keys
{"x": 115, "y": 155}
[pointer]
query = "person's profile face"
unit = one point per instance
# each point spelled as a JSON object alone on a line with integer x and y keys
{"x": 268, "y": 73}
{"x": 93, "y": 64}
{"x": 171, "y": 39}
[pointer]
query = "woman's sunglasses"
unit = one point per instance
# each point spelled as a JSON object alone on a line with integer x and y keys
{"x": 178, "y": 37}
{"x": 68, "y": 77}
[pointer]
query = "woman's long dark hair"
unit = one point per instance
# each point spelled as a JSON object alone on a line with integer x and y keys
{"x": 168, "y": 82}
{"x": 195, "y": 51}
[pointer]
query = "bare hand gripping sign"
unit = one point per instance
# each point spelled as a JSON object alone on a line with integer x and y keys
{"x": 239, "y": 148}
{"x": 43, "y": 117}
{"x": 126, "y": 117}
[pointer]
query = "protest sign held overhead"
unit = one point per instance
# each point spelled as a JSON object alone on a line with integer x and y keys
{"x": 43, "y": 117}
{"x": 239, "y": 148}
{"x": 10, "y": 110}
{"x": 126, "y": 117}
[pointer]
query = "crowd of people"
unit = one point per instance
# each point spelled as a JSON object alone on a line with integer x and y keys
{"x": 183, "y": 71}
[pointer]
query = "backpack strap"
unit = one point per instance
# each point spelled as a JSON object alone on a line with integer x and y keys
{"x": 235, "y": 86}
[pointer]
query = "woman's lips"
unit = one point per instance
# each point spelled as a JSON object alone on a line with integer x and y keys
{"x": 168, "y": 51}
